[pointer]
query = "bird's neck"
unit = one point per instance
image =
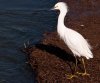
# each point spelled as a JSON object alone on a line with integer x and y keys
{"x": 61, "y": 19}
{"x": 60, "y": 26}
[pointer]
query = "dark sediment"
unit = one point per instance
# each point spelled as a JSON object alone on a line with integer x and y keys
{"x": 53, "y": 61}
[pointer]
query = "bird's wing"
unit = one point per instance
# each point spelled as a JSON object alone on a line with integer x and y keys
{"x": 77, "y": 42}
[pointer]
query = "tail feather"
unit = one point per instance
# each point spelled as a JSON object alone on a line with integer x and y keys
{"x": 89, "y": 55}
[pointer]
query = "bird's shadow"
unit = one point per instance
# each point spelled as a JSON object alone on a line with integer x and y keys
{"x": 56, "y": 51}
{"x": 62, "y": 54}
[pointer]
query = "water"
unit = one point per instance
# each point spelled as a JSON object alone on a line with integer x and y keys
{"x": 21, "y": 21}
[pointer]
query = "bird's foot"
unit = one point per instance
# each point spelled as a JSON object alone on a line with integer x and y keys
{"x": 83, "y": 74}
{"x": 71, "y": 76}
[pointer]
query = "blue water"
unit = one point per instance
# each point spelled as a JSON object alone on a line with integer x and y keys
{"x": 21, "y": 21}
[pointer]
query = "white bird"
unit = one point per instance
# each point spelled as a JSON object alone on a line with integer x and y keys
{"x": 74, "y": 40}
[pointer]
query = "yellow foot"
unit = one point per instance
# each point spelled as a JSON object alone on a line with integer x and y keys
{"x": 83, "y": 74}
{"x": 71, "y": 76}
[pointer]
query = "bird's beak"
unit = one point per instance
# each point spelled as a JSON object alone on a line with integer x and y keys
{"x": 52, "y": 8}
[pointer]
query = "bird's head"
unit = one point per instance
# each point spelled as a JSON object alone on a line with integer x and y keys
{"x": 60, "y": 6}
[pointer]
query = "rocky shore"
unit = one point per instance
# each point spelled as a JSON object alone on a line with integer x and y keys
{"x": 53, "y": 61}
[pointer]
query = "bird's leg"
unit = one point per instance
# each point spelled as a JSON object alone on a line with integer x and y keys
{"x": 73, "y": 74}
{"x": 76, "y": 61}
{"x": 75, "y": 64}
{"x": 85, "y": 72}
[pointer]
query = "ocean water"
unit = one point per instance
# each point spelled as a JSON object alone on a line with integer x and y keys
{"x": 22, "y": 21}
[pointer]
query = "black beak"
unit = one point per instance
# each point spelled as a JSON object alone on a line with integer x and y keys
{"x": 52, "y": 8}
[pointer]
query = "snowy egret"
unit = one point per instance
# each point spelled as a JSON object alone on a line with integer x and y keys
{"x": 75, "y": 41}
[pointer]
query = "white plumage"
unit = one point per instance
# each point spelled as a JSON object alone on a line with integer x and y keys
{"x": 75, "y": 41}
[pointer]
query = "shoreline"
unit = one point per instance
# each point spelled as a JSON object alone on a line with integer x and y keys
{"x": 52, "y": 60}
